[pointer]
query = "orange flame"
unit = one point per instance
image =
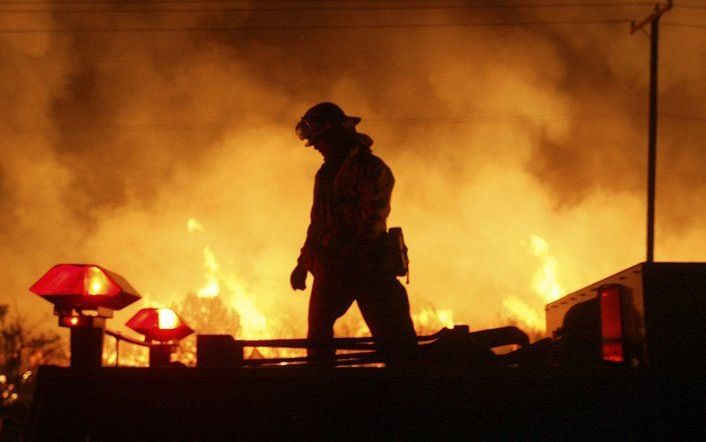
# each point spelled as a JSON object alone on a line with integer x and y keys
{"x": 545, "y": 282}
{"x": 211, "y": 268}
{"x": 224, "y": 304}
{"x": 545, "y": 285}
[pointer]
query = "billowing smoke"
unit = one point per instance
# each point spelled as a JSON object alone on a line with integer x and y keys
{"x": 500, "y": 137}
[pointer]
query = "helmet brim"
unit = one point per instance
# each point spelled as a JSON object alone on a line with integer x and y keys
{"x": 350, "y": 122}
{"x": 304, "y": 133}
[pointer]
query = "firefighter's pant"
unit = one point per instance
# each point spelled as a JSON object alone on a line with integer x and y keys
{"x": 385, "y": 308}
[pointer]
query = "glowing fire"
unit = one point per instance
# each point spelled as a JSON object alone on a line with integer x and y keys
{"x": 225, "y": 304}
{"x": 524, "y": 313}
{"x": 95, "y": 281}
{"x": 429, "y": 320}
{"x": 545, "y": 286}
{"x": 211, "y": 268}
{"x": 229, "y": 297}
{"x": 253, "y": 322}
{"x": 193, "y": 225}
{"x": 545, "y": 282}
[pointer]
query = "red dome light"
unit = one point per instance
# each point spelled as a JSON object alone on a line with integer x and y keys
{"x": 85, "y": 286}
{"x": 159, "y": 324}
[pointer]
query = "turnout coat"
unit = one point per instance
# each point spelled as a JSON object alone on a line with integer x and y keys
{"x": 349, "y": 213}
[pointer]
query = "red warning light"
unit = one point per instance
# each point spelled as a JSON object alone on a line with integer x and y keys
{"x": 85, "y": 287}
{"x": 159, "y": 324}
{"x": 73, "y": 321}
{"x": 611, "y": 322}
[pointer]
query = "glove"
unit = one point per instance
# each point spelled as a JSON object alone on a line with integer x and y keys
{"x": 298, "y": 277}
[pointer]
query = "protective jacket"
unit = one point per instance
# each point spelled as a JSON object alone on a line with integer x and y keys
{"x": 345, "y": 250}
{"x": 350, "y": 209}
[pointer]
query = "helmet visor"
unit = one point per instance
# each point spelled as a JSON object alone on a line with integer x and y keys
{"x": 303, "y": 129}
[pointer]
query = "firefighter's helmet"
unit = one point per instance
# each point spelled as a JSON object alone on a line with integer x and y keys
{"x": 321, "y": 119}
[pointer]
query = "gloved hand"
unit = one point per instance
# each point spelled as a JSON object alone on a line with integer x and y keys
{"x": 298, "y": 277}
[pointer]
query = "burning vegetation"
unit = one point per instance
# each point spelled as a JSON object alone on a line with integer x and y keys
{"x": 223, "y": 305}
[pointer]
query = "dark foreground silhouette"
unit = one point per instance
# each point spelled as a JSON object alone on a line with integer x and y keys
{"x": 363, "y": 404}
{"x": 348, "y": 249}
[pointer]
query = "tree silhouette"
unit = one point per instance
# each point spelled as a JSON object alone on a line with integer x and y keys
{"x": 22, "y": 349}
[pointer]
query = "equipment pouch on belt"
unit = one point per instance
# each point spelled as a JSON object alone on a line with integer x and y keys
{"x": 397, "y": 260}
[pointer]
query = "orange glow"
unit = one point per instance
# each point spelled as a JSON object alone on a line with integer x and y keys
{"x": 545, "y": 282}
{"x": 96, "y": 282}
{"x": 212, "y": 286}
{"x": 253, "y": 322}
{"x": 526, "y": 315}
{"x": 529, "y": 313}
{"x": 73, "y": 320}
{"x": 192, "y": 225}
{"x": 518, "y": 162}
{"x": 428, "y": 320}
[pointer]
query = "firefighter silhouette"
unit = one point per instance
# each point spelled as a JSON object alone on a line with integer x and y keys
{"x": 345, "y": 242}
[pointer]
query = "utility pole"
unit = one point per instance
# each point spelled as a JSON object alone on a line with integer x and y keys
{"x": 653, "y": 21}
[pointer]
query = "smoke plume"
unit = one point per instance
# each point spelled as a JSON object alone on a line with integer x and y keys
{"x": 118, "y": 127}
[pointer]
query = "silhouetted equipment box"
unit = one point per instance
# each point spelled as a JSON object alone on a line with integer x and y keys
{"x": 218, "y": 351}
{"x": 649, "y": 314}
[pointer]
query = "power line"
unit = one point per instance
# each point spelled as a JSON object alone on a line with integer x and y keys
{"x": 148, "y": 8}
{"x": 698, "y": 8}
{"x": 163, "y": 2}
{"x": 471, "y": 120}
{"x": 684, "y": 25}
{"x": 484, "y": 5}
{"x": 676, "y": 117}
{"x": 312, "y": 27}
